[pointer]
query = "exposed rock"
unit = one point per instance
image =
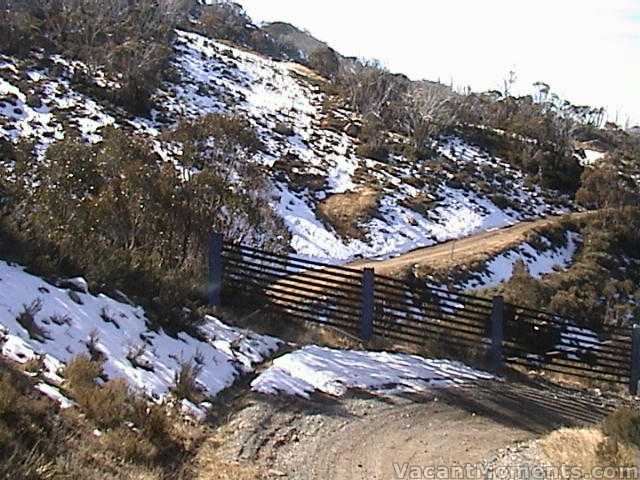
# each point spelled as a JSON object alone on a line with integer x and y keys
{"x": 77, "y": 284}
{"x": 73, "y": 295}
{"x": 122, "y": 298}
{"x": 284, "y": 129}
{"x": 352, "y": 129}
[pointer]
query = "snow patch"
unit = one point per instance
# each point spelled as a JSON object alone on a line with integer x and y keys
{"x": 334, "y": 372}
{"x": 500, "y": 268}
{"x": 147, "y": 359}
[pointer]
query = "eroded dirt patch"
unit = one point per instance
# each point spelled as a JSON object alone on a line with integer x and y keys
{"x": 346, "y": 212}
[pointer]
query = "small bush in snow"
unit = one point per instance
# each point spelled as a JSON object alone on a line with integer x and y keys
{"x": 34, "y": 365}
{"x": 81, "y": 374}
{"x": 27, "y": 320}
{"x": 185, "y": 384}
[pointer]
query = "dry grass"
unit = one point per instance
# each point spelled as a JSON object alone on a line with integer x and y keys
{"x": 590, "y": 449}
{"x": 210, "y": 464}
{"x": 81, "y": 373}
{"x": 115, "y": 408}
{"x": 305, "y": 72}
{"x": 421, "y": 204}
{"x": 297, "y": 332}
{"x": 347, "y": 211}
{"x": 37, "y": 441}
{"x": 578, "y": 447}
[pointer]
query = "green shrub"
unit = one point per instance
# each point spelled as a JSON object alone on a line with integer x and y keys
{"x": 523, "y": 289}
{"x": 114, "y": 213}
{"x": 605, "y": 187}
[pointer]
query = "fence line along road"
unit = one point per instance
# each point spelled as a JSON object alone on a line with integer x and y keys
{"x": 370, "y": 305}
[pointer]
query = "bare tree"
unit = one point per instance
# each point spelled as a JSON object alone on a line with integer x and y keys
{"x": 428, "y": 110}
{"x": 368, "y": 86}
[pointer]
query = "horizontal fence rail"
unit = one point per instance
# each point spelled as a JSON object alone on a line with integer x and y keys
{"x": 372, "y": 306}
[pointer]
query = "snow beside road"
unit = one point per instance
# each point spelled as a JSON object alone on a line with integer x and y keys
{"x": 69, "y": 323}
{"x": 499, "y": 269}
{"x": 334, "y": 372}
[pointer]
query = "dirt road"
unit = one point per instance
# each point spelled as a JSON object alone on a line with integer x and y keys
{"x": 363, "y": 436}
{"x": 373, "y": 437}
{"x": 441, "y": 256}
{"x": 457, "y": 252}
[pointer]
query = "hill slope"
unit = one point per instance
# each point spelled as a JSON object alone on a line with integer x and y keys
{"x": 309, "y": 163}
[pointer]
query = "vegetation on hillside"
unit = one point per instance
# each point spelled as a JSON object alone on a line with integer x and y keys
{"x": 601, "y": 286}
{"x": 117, "y": 214}
{"x": 113, "y": 433}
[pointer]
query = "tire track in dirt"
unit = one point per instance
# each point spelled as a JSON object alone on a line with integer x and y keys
{"x": 362, "y": 436}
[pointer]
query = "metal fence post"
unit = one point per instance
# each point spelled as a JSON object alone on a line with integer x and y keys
{"x": 368, "y": 304}
{"x": 635, "y": 360}
{"x": 496, "y": 357}
{"x": 215, "y": 269}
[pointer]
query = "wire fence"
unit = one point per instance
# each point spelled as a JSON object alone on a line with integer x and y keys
{"x": 373, "y": 306}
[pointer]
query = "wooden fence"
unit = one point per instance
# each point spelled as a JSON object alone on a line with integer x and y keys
{"x": 369, "y": 306}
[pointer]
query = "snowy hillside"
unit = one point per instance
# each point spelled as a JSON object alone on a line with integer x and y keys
{"x": 40, "y": 320}
{"x": 50, "y": 324}
{"x": 539, "y": 260}
{"x": 309, "y": 164}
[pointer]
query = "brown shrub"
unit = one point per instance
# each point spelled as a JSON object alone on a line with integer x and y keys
{"x": 374, "y": 151}
{"x": 623, "y": 425}
{"x": 185, "y": 384}
{"x": 325, "y": 61}
{"x": 612, "y": 445}
{"x": 9, "y": 396}
{"x": 81, "y": 374}
{"x": 38, "y": 443}
{"x": 109, "y": 405}
{"x": 130, "y": 446}
{"x": 26, "y": 319}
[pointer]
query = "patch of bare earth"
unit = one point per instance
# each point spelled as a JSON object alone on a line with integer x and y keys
{"x": 347, "y": 212}
{"x": 369, "y": 437}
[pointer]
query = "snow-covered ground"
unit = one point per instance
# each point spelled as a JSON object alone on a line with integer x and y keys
{"x": 36, "y": 113}
{"x": 591, "y": 157}
{"x": 317, "y": 369}
{"x": 71, "y": 323}
{"x": 67, "y": 322}
{"x": 539, "y": 262}
{"x": 218, "y": 78}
